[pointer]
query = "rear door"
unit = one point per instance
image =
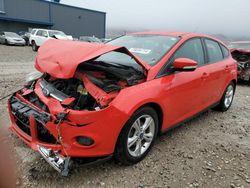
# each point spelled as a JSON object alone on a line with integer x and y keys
{"x": 217, "y": 69}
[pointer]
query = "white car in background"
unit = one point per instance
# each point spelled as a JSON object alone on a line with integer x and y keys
{"x": 39, "y": 36}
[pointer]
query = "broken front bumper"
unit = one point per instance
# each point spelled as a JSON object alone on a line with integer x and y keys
{"x": 57, "y": 161}
{"x": 38, "y": 128}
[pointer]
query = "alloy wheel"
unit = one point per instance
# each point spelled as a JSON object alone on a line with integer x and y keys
{"x": 141, "y": 135}
{"x": 229, "y": 96}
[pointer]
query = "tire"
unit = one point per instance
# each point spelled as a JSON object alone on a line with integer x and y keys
{"x": 6, "y": 42}
{"x": 227, "y": 98}
{"x": 34, "y": 46}
{"x": 139, "y": 138}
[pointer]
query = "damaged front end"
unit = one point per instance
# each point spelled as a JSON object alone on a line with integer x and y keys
{"x": 243, "y": 60}
{"x": 66, "y": 112}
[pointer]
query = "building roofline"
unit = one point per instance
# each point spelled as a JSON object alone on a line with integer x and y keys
{"x": 70, "y": 6}
{"x": 26, "y": 21}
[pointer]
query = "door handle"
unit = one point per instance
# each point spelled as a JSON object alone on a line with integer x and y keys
{"x": 204, "y": 75}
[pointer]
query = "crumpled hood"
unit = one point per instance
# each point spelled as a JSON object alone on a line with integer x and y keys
{"x": 60, "y": 58}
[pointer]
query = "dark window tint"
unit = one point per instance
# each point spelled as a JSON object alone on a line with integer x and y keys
{"x": 225, "y": 51}
{"x": 192, "y": 49}
{"x": 214, "y": 51}
{"x": 39, "y": 33}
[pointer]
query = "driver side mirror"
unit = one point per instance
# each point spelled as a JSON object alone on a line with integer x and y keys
{"x": 184, "y": 64}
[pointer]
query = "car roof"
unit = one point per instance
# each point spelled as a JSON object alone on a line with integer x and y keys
{"x": 177, "y": 34}
{"x": 166, "y": 33}
{"x": 44, "y": 29}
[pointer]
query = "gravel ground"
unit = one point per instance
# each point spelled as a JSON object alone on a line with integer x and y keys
{"x": 212, "y": 150}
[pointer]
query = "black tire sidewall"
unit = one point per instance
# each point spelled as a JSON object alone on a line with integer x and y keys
{"x": 34, "y": 46}
{"x": 122, "y": 152}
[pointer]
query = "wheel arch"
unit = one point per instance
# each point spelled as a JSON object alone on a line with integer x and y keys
{"x": 153, "y": 105}
{"x": 234, "y": 82}
{"x": 159, "y": 112}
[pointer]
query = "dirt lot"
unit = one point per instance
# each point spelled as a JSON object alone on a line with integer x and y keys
{"x": 213, "y": 150}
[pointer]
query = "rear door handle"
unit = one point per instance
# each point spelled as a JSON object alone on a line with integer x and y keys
{"x": 227, "y": 68}
{"x": 204, "y": 75}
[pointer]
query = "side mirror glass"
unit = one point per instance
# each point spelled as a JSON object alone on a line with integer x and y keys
{"x": 184, "y": 64}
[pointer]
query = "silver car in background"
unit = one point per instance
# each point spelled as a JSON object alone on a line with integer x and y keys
{"x": 10, "y": 38}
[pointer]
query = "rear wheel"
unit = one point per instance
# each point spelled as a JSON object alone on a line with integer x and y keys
{"x": 34, "y": 46}
{"x": 137, "y": 137}
{"x": 227, "y": 98}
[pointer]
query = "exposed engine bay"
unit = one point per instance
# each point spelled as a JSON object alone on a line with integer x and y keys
{"x": 94, "y": 85}
{"x": 243, "y": 59}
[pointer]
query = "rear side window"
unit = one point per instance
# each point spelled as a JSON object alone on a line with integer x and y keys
{"x": 192, "y": 49}
{"x": 225, "y": 51}
{"x": 214, "y": 51}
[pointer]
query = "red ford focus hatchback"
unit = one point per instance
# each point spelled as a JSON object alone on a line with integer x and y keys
{"x": 100, "y": 100}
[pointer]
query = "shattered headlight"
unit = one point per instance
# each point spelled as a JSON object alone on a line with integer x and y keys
{"x": 31, "y": 77}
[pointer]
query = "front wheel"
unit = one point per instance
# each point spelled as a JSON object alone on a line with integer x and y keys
{"x": 34, "y": 46}
{"x": 137, "y": 136}
{"x": 227, "y": 98}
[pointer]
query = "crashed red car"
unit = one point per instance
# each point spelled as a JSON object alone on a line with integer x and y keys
{"x": 240, "y": 51}
{"x": 102, "y": 100}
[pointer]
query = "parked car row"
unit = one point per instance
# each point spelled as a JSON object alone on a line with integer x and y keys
{"x": 10, "y": 38}
{"x": 37, "y": 37}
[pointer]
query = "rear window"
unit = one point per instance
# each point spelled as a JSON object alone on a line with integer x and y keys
{"x": 214, "y": 51}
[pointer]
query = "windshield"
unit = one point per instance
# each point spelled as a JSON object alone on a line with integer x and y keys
{"x": 10, "y": 34}
{"x": 53, "y": 33}
{"x": 245, "y": 46}
{"x": 119, "y": 59}
{"x": 150, "y": 48}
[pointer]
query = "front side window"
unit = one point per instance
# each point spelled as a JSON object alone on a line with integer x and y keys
{"x": 54, "y": 33}
{"x": 44, "y": 34}
{"x": 214, "y": 51}
{"x": 2, "y": 6}
{"x": 192, "y": 49}
{"x": 39, "y": 33}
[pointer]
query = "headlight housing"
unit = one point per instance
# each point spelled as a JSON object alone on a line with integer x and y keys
{"x": 31, "y": 77}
